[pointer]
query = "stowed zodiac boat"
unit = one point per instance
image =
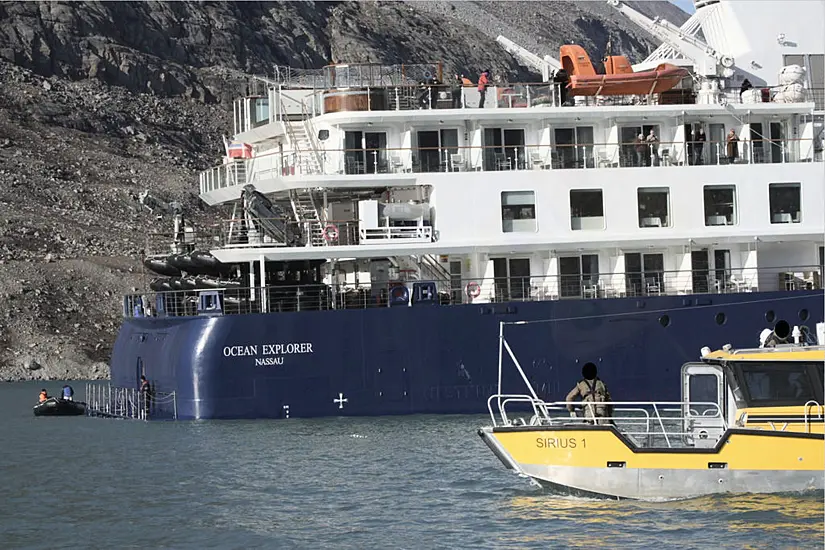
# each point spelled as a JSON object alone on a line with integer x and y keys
{"x": 750, "y": 420}
{"x": 383, "y": 225}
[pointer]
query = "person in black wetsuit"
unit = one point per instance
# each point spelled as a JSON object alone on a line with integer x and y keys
{"x": 145, "y": 394}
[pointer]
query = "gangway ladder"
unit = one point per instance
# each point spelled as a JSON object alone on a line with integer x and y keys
{"x": 116, "y": 402}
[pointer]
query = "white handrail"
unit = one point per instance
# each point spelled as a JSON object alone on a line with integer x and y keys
{"x": 543, "y": 415}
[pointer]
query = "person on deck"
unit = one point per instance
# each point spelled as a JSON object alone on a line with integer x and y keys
{"x": 145, "y": 394}
{"x": 44, "y": 395}
{"x": 592, "y": 391}
{"x": 456, "y": 92}
{"x": 732, "y": 146}
{"x": 483, "y": 81}
{"x": 68, "y": 393}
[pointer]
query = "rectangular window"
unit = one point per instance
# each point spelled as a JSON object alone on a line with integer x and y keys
{"x": 512, "y": 278}
{"x": 644, "y": 274}
{"x": 586, "y": 209}
{"x": 435, "y": 150}
{"x": 777, "y": 384}
{"x": 785, "y": 202}
{"x": 261, "y": 112}
{"x": 365, "y": 152}
{"x": 720, "y": 205}
{"x": 640, "y": 145}
{"x": 654, "y": 207}
{"x": 504, "y": 148}
{"x": 573, "y": 147}
{"x": 518, "y": 211}
{"x": 579, "y": 276}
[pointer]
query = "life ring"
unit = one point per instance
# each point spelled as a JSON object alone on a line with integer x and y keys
{"x": 330, "y": 233}
{"x": 473, "y": 289}
{"x": 398, "y": 292}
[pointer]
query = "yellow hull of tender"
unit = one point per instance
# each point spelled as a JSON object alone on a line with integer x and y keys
{"x": 594, "y": 448}
{"x": 597, "y": 460}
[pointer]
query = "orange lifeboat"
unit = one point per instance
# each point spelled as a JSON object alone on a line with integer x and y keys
{"x": 619, "y": 78}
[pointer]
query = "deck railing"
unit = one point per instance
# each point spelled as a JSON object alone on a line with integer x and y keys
{"x": 508, "y": 157}
{"x": 235, "y": 299}
{"x": 645, "y": 424}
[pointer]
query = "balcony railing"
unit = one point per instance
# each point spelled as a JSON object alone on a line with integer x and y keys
{"x": 516, "y": 156}
{"x": 519, "y": 95}
{"x": 282, "y": 298}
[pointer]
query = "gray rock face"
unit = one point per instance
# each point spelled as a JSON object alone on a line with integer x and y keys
{"x": 100, "y": 101}
{"x": 202, "y": 50}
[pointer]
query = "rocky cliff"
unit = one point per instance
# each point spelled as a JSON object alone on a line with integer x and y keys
{"x": 99, "y": 101}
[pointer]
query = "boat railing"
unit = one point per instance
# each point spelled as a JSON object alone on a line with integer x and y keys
{"x": 517, "y": 156}
{"x": 182, "y": 296}
{"x": 814, "y": 412}
{"x": 119, "y": 402}
{"x": 644, "y": 423}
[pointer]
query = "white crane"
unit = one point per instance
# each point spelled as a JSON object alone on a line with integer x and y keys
{"x": 706, "y": 60}
{"x": 546, "y": 66}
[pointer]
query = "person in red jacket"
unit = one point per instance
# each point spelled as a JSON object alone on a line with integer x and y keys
{"x": 483, "y": 81}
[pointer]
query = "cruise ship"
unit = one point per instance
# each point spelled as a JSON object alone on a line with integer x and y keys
{"x": 375, "y": 224}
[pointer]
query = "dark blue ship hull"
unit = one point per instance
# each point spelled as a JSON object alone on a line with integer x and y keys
{"x": 436, "y": 359}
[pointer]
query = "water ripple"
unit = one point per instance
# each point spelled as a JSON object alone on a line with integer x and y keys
{"x": 397, "y": 482}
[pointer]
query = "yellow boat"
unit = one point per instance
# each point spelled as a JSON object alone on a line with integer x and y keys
{"x": 750, "y": 421}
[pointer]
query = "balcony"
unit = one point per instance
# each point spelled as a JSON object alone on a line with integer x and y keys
{"x": 582, "y": 156}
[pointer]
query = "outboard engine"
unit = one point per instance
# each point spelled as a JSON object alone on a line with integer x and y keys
{"x": 780, "y": 334}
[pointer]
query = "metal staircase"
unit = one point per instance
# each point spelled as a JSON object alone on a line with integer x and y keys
{"x": 308, "y": 217}
{"x": 431, "y": 269}
{"x": 303, "y": 141}
{"x": 423, "y": 268}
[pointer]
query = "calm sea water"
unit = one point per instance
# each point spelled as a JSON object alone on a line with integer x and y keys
{"x": 391, "y": 482}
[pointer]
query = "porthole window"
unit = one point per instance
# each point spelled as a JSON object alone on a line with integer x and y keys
{"x": 721, "y": 318}
{"x": 664, "y": 320}
{"x": 803, "y": 314}
{"x": 770, "y": 316}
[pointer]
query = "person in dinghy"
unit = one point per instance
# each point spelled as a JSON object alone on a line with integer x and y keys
{"x": 594, "y": 395}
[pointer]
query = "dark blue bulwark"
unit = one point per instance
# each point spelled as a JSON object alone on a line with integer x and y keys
{"x": 436, "y": 359}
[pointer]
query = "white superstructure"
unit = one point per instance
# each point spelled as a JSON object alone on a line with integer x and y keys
{"x": 388, "y": 178}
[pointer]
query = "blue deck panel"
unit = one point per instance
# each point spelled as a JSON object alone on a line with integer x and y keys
{"x": 436, "y": 359}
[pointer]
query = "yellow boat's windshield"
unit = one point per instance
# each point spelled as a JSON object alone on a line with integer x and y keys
{"x": 779, "y": 384}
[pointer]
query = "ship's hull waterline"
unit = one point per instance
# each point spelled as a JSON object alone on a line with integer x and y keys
{"x": 434, "y": 359}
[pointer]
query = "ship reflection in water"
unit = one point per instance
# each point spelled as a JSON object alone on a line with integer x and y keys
{"x": 783, "y": 519}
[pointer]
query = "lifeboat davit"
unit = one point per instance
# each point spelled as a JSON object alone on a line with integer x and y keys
{"x": 619, "y": 78}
